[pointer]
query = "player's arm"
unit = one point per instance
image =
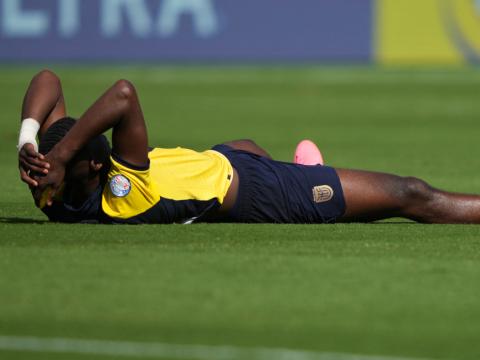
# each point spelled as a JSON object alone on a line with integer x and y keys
{"x": 117, "y": 108}
{"x": 248, "y": 145}
{"x": 44, "y": 100}
{"x": 43, "y": 104}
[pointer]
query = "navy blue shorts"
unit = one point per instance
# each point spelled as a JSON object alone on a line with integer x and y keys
{"x": 278, "y": 192}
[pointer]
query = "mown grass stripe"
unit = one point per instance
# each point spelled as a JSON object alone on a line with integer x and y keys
{"x": 175, "y": 351}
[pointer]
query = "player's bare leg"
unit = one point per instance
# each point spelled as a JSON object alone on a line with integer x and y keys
{"x": 248, "y": 145}
{"x": 371, "y": 196}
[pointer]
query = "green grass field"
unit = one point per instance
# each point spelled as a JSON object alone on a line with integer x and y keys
{"x": 390, "y": 289}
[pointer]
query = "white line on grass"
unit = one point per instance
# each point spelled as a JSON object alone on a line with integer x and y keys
{"x": 162, "y": 350}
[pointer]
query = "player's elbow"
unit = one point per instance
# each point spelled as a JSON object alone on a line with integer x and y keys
{"x": 124, "y": 89}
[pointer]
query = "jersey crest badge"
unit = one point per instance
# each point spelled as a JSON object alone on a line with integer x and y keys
{"x": 120, "y": 186}
{"x": 322, "y": 193}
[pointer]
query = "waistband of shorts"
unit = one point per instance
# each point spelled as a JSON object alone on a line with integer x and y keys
{"x": 241, "y": 206}
{"x": 242, "y": 202}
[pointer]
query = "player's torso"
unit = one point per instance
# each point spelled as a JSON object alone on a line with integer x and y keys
{"x": 180, "y": 185}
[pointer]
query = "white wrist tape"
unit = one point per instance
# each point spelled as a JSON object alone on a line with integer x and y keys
{"x": 28, "y": 133}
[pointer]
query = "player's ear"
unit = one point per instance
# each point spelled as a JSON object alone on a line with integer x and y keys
{"x": 95, "y": 166}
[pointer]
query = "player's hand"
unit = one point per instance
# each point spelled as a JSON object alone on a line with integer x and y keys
{"x": 29, "y": 162}
{"x": 49, "y": 183}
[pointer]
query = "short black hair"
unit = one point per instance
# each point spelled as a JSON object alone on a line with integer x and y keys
{"x": 97, "y": 149}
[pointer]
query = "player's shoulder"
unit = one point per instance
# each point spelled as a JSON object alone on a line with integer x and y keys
{"x": 160, "y": 152}
{"x": 129, "y": 189}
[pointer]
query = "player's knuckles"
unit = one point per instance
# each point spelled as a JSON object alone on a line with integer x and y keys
{"x": 36, "y": 169}
{"x": 32, "y": 167}
{"x": 30, "y": 149}
{"x": 27, "y": 159}
{"x": 34, "y": 161}
{"x": 39, "y": 167}
{"x": 22, "y": 159}
{"x": 23, "y": 166}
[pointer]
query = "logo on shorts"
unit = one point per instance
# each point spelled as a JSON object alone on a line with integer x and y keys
{"x": 322, "y": 193}
{"x": 120, "y": 186}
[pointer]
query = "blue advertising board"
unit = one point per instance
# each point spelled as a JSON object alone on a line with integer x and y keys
{"x": 185, "y": 30}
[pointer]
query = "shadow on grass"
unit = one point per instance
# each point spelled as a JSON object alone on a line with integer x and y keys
{"x": 18, "y": 220}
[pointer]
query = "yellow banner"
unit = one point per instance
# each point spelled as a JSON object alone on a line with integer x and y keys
{"x": 427, "y": 31}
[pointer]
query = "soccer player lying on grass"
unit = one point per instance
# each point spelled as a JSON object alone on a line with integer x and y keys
{"x": 75, "y": 177}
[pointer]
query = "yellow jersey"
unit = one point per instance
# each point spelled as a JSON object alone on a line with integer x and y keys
{"x": 178, "y": 186}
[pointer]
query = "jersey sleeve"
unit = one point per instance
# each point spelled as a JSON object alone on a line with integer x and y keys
{"x": 129, "y": 190}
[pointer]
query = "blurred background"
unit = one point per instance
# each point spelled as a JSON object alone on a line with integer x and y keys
{"x": 327, "y": 31}
{"x": 345, "y": 73}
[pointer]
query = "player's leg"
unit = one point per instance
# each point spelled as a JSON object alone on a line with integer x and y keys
{"x": 373, "y": 196}
{"x": 248, "y": 145}
{"x": 306, "y": 153}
